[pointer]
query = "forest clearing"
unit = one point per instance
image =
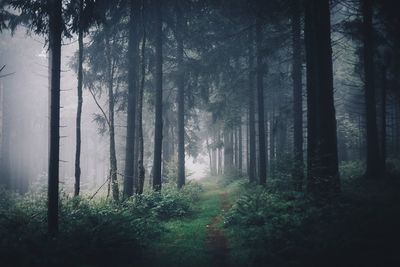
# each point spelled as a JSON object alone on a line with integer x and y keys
{"x": 201, "y": 133}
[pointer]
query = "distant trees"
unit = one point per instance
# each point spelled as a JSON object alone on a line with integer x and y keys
{"x": 209, "y": 66}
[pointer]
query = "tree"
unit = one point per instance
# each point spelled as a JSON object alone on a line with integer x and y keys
{"x": 158, "y": 101}
{"x": 322, "y": 160}
{"x": 252, "y": 128}
{"x": 373, "y": 159}
{"x": 180, "y": 82}
{"x": 260, "y": 97}
{"x": 133, "y": 62}
{"x": 55, "y": 30}
{"x": 298, "y": 165}
{"x": 80, "y": 101}
{"x": 141, "y": 170}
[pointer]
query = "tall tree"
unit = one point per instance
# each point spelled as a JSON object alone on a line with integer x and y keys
{"x": 80, "y": 101}
{"x": 110, "y": 73}
{"x": 252, "y": 127}
{"x": 181, "y": 94}
{"x": 141, "y": 170}
{"x": 298, "y": 165}
{"x": 157, "y": 162}
{"x": 55, "y": 30}
{"x": 133, "y": 62}
{"x": 373, "y": 159}
{"x": 323, "y": 174}
{"x": 260, "y": 97}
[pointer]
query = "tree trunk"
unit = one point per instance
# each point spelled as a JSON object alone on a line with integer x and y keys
{"x": 252, "y": 124}
{"x": 323, "y": 173}
{"x": 181, "y": 97}
{"x": 260, "y": 96}
{"x": 240, "y": 156}
{"x": 158, "y": 101}
{"x": 228, "y": 151}
{"x": 373, "y": 161}
{"x": 110, "y": 85}
{"x": 80, "y": 102}
{"x": 298, "y": 161}
{"x": 55, "y": 30}
{"x": 133, "y": 62}
{"x": 383, "y": 96}
{"x": 141, "y": 170}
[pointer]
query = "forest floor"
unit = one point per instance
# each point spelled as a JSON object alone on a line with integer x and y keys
{"x": 198, "y": 240}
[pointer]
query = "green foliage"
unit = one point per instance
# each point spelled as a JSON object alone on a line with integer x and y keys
{"x": 167, "y": 204}
{"x": 351, "y": 169}
{"x": 269, "y": 221}
{"x": 92, "y": 232}
{"x": 284, "y": 228}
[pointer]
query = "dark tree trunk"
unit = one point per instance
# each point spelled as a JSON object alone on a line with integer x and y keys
{"x": 181, "y": 97}
{"x": 55, "y": 27}
{"x": 373, "y": 160}
{"x": 219, "y": 154}
{"x": 158, "y": 101}
{"x": 323, "y": 174}
{"x": 236, "y": 148}
{"x": 298, "y": 161}
{"x": 260, "y": 95}
{"x": 80, "y": 102}
{"x": 383, "y": 96}
{"x": 141, "y": 170}
{"x": 228, "y": 151}
{"x": 240, "y": 156}
{"x": 133, "y": 62}
{"x": 252, "y": 124}
{"x": 5, "y": 139}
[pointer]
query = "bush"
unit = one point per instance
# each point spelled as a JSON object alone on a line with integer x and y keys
{"x": 92, "y": 232}
{"x": 167, "y": 204}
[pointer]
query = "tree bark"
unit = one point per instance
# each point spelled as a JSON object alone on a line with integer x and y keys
{"x": 158, "y": 101}
{"x": 240, "y": 156}
{"x": 298, "y": 161}
{"x": 110, "y": 85}
{"x": 373, "y": 160}
{"x": 228, "y": 151}
{"x": 181, "y": 96}
{"x": 323, "y": 174}
{"x": 260, "y": 97}
{"x": 55, "y": 30}
{"x": 133, "y": 62}
{"x": 383, "y": 106}
{"x": 141, "y": 170}
{"x": 80, "y": 102}
{"x": 252, "y": 124}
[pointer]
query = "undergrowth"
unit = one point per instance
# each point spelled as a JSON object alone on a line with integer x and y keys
{"x": 92, "y": 232}
{"x": 274, "y": 227}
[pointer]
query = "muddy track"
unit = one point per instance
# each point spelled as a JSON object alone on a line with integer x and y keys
{"x": 216, "y": 242}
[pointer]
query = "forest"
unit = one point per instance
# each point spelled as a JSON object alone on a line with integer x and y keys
{"x": 199, "y": 133}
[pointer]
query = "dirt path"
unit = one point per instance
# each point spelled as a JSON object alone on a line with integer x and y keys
{"x": 216, "y": 242}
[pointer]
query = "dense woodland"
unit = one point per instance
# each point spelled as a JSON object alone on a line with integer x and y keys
{"x": 198, "y": 133}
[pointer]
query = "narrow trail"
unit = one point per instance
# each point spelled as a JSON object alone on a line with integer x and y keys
{"x": 197, "y": 240}
{"x": 216, "y": 242}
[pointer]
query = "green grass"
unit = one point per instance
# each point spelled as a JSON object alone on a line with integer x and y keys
{"x": 183, "y": 241}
